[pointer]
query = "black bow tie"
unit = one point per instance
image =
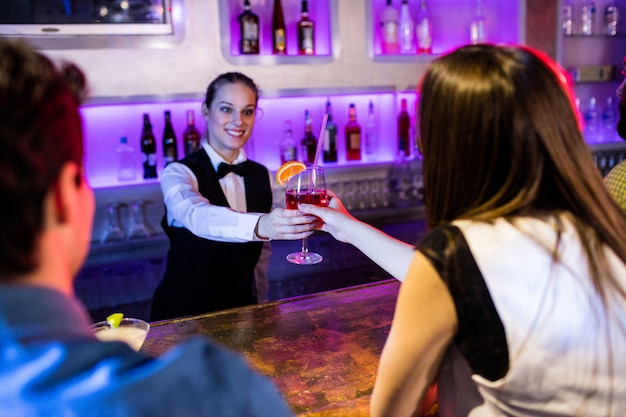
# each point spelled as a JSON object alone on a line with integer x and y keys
{"x": 239, "y": 169}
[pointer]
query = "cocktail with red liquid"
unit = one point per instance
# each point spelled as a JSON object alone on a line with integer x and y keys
{"x": 308, "y": 187}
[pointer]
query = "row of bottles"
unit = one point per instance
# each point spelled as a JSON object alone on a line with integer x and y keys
{"x": 361, "y": 143}
{"x": 395, "y": 29}
{"x": 404, "y": 33}
{"x": 599, "y": 123}
{"x": 250, "y": 31}
{"x": 581, "y": 18}
{"x": 126, "y": 153}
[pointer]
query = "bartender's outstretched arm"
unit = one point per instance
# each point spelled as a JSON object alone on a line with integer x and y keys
{"x": 391, "y": 254}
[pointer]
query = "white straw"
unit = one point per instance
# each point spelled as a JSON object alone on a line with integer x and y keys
{"x": 320, "y": 141}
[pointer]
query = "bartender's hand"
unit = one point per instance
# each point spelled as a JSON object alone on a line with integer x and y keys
{"x": 335, "y": 219}
{"x": 283, "y": 224}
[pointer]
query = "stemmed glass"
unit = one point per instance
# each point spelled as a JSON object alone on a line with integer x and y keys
{"x": 113, "y": 230}
{"x": 307, "y": 187}
{"x": 138, "y": 229}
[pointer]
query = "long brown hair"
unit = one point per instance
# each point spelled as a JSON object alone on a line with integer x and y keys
{"x": 500, "y": 138}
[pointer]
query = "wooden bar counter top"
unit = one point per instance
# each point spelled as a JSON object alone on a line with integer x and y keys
{"x": 321, "y": 350}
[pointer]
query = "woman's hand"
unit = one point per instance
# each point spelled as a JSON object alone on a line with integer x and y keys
{"x": 335, "y": 219}
{"x": 391, "y": 254}
{"x": 283, "y": 224}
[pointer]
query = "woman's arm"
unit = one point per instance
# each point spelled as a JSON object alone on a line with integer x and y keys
{"x": 391, "y": 254}
{"x": 423, "y": 326}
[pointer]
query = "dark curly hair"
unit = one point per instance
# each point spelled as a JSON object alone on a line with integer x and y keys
{"x": 40, "y": 131}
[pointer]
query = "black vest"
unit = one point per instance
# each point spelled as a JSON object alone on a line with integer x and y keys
{"x": 205, "y": 275}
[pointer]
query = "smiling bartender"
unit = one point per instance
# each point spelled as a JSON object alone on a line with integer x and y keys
{"x": 215, "y": 199}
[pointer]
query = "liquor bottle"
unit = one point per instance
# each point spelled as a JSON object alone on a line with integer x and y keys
{"x": 609, "y": 120}
{"x": 404, "y": 126}
{"x": 148, "y": 149}
{"x": 423, "y": 30}
{"x": 587, "y": 18}
{"x": 306, "y": 32}
{"x": 407, "y": 29}
{"x": 371, "y": 134}
{"x": 478, "y": 31}
{"x": 288, "y": 150}
{"x": 309, "y": 143}
{"x": 249, "y": 30}
{"x": 170, "y": 147}
{"x": 279, "y": 34}
{"x": 591, "y": 121}
{"x": 191, "y": 136}
{"x": 389, "y": 29}
{"x": 126, "y": 170}
{"x": 330, "y": 136}
{"x": 612, "y": 16}
{"x": 568, "y": 17}
{"x": 353, "y": 136}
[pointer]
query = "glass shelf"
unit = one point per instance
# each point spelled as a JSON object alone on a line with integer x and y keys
{"x": 322, "y": 12}
{"x": 596, "y": 36}
{"x": 448, "y": 18}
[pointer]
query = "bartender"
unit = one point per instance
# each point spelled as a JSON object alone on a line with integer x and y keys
{"x": 218, "y": 212}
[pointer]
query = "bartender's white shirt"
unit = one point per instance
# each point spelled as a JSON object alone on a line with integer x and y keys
{"x": 187, "y": 208}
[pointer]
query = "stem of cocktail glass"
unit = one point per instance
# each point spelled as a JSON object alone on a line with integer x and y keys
{"x": 305, "y": 246}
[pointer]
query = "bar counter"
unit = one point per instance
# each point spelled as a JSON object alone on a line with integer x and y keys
{"x": 321, "y": 350}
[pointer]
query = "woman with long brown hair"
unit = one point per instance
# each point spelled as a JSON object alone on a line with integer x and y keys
{"x": 515, "y": 300}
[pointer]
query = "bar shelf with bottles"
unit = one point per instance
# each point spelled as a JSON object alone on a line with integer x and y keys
{"x": 590, "y": 48}
{"x": 429, "y": 28}
{"x": 366, "y": 185}
{"x": 306, "y": 31}
{"x": 105, "y": 123}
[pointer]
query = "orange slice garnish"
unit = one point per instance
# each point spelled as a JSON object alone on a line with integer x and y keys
{"x": 288, "y": 170}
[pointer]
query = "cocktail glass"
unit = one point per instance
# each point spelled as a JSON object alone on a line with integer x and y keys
{"x": 132, "y": 331}
{"x": 307, "y": 187}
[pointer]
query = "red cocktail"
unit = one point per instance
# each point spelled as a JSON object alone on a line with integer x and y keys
{"x": 307, "y": 187}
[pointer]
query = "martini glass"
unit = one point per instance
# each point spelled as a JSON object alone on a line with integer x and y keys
{"x": 308, "y": 187}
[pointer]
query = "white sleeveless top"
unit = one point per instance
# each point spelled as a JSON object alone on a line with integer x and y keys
{"x": 567, "y": 354}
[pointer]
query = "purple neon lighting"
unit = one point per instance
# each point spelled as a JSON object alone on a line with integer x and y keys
{"x": 104, "y": 124}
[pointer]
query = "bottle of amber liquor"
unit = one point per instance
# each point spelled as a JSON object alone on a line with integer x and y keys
{"x": 249, "y": 30}
{"x": 353, "y": 136}
{"x": 279, "y": 34}
{"x": 191, "y": 136}
{"x": 306, "y": 32}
